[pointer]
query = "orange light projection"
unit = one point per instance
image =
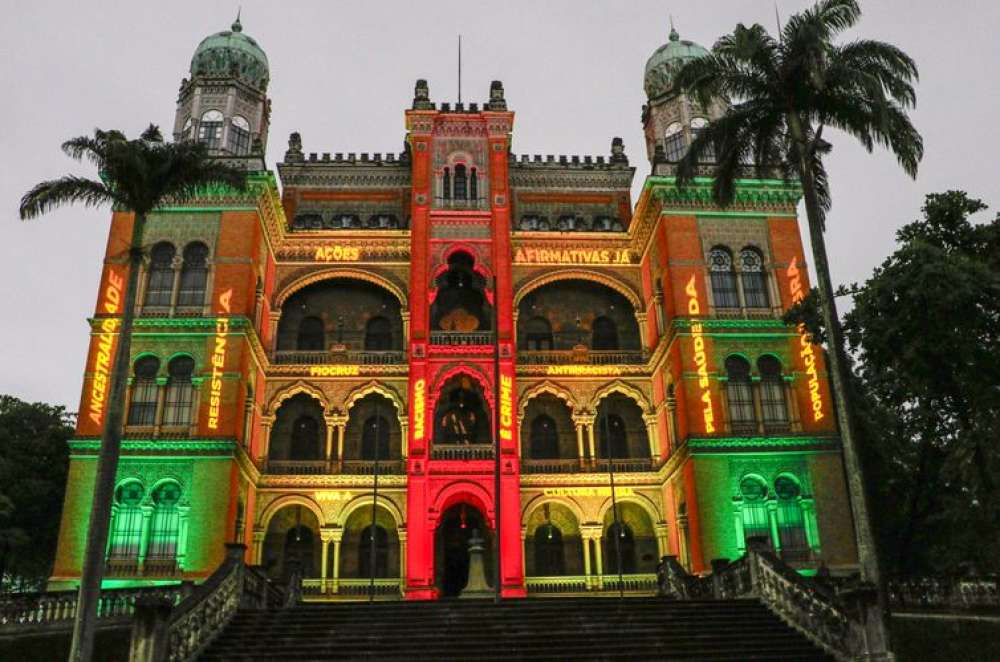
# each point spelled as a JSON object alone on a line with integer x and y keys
{"x": 105, "y": 345}
{"x": 805, "y": 344}
{"x": 218, "y": 361}
{"x": 700, "y": 357}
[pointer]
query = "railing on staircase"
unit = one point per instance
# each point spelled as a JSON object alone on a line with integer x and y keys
{"x": 351, "y": 588}
{"x": 162, "y": 631}
{"x": 834, "y": 622}
{"x": 634, "y": 584}
{"x": 55, "y": 610}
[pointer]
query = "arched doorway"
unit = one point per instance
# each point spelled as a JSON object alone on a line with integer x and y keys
{"x": 356, "y": 548}
{"x": 451, "y": 548}
{"x": 633, "y": 533}
{"x": 553, "y": 546}
{"x": 292, "y": 537}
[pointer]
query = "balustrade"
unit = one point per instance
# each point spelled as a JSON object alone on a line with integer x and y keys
{"x": 345, "y": 357}
{"x": 582, "y": 356}
{"x": 636, "y": 584}
{"x": 462, "y": 452}
{"x": 353, "y": 588}
{"x": 946, "y": 593}
{"x": 461, "y": 338}
{"x": 57, "y": 609}
{"x": 323, "y": 467}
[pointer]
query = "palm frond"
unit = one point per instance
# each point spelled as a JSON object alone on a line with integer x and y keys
{"x": 152, "y": 134}
{"x": 48, "y": 195}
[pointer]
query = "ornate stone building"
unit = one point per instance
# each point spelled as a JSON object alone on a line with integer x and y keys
{"x": 381, "y": 320}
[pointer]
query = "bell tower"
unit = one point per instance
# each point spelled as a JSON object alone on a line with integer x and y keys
{"x": 224, "y": 103}
{"x": 670, "y": 118}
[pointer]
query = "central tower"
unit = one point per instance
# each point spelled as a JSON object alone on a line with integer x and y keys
{"x": 461, "y": 343}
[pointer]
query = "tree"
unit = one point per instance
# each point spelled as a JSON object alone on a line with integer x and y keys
{"x": 925, "y": 329}
{"x": 783, "y": 94}
{"x": 138, "y": 176}
{"x": 34, "y": 460}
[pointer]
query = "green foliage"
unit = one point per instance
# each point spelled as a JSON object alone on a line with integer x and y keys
{"x": 926, "y": 331}
{"x": 136, "y": 175}
{"x": 34, "y": 459}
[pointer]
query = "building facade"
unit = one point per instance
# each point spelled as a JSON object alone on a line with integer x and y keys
{"x": 364, "y": 334}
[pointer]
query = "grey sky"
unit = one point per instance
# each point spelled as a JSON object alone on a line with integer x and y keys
{"x": 342, "y": 74}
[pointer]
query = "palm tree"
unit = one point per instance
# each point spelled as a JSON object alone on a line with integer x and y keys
{"x": 137, "y": 176}
{"x": 782, "y": 94}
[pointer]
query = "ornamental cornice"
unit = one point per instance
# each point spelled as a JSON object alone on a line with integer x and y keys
{"x": 585, "y": 370}
{"x": 218, "y": 447}
{"x": 592, "y": 479}
{"x": 368, "y": 249}
{"x": 755, "y": 444}
{"x": 308, "y": 371}
{"x": 759, "y": 195}
{"x": 776, "y": 324}
{"x": 333, "y": 176}
{"x": 545, "y": 178}
{"x": 330, "y": 481}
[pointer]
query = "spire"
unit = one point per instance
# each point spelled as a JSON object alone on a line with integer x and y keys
{"x": 237, "y": 26}
{"x": 673, "y": 31}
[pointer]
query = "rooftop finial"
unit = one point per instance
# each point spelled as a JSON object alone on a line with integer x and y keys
{"x": 673, "y": 31}
{"x": 237, "y": 26}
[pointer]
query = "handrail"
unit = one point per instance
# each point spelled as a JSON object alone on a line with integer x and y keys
{"x": 462, "y": 451}
{"x": 945, "y": 592}
{"x": 348, "y": 357}
{"x": 57, "y": 609}
{"x": 583, "y": 355}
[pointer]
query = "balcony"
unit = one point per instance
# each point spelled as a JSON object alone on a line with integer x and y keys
{"x": 587, "y": 465}
{"x": 333, "y": 467}
{"x": 582, "y": 356}
{"x": 459, "y": 338}
{"x": 462, "y": 204}
{"x": 345, "y": 357}
{"x": 462, "y": 452}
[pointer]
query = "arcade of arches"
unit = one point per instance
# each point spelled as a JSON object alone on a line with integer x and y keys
{"x": 572, "y": 313}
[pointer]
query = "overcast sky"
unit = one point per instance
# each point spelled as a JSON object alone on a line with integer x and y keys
{"x": 342, "y": 74}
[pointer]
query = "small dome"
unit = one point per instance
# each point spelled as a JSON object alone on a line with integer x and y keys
{"x": 666, "y": 61}
{"x": 231, "y": 54}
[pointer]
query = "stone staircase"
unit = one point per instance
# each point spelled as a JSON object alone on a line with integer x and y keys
{"x": 539, "y": 629}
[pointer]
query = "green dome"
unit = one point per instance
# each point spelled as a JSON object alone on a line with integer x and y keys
{"x": 231, "y": 53}
{"x": 664, "y": 64}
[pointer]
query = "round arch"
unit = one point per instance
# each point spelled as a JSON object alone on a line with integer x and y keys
{"x": 625, "y": 389}
{"x": 341, "y": 273}
{"x": 540, "y": 500}
{"x": 294, "y": 389}
{"x": 642, "y": 501}
{"x": 365, "y": 500}
{"x": 463, "y": 490}
{"x": 375, "y": 387}
{"x": 545, "y": 387}
{"x": 290, "y": 500}
{"x": 580, "y": 274}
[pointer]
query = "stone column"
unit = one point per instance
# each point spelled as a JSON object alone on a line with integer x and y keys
{"x": 794, "y": 417}
{"x": 590, "y": 441}
{"x": 257, "y": 557}
{"x": 404, "y": 439}
{"x": 654, "y": 446}
{"x": 325, "y": 536}
{"x": 662, "y": 544}
{"x": 336, "y": 535}
{"x": 524, "y": 551}
{"x": 671, "y": 424}
{"x": 272, "y": 340}
{"x": 329, "y": 443}
{"x": 341, "y": 423}
{"x": 405, "y": 314}
{"x": 580, "y": 422}
{"x": 682, "y": 541}
{"x": 772, "y": 518}
{"x": 206, "y": 306}
{"x": 640, "y": 317}
{"x": 599, "y": 553}
{"x": 266, "y": 423}
{"x": 401, "y": 534}
{"x": 161, "y": 397}
{"x": 183, "y": 511}
{"x": 741, "y": 543}
{"x": 811, "y": 525}
{"x": 586, "y": 560}
{"x": 147, "y": 515}
{"x": 758, "y": 409}
{"x": 177, "y": 263}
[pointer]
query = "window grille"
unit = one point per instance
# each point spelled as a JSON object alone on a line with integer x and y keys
{"x": 756, "y": 523}
{"x": 160, "y": 285}
{"x": 142, "y": 407}
{"x": 754, "y": 279}
{"x": 164, "y": 527}
{"x": 180, "y": 392}
{"x": 791, "y": 523}
{"x": 674, "y": 146}
{"x": 739, "y": 396}
{"x": 461, "y": 183}
{"x": 210, "y": 129}
{"x": 772, "y": 391}
{"x": 126, "y": 535}
{"x": 194, "y": 275}
{"x": 239, "y": 136}
{"x": 720, "y": 264}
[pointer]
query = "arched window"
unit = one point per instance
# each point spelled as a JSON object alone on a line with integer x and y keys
{"x": 160, "y": 284}
{"x": 473, "y": 185}
{"x": 791, "y": 523}
{"x": 538, "y": 334}
{"x": 673, "y": 142}
{"x": 239, "y": 136}
{"x": 720, "y": 263}
{"x": 186, "y": 130}
{"x": 299, "y": 548}
{"x": 619, "y": 536}
{"x": 772, "y": 393}
{"x": 446, "y": 182}
{"x": 126, "y": 531}
{"x": 305, "y": 439}
{"x": 544, "y": 438}
{"x": 754, "y": 509}
{"x": 698, "y": 125}
{"x": 164, "y": 526}
{"x": 740, "y": 396}
{"x": 194, "y": 275}
{"x": 550, "y": 561}
{"x": 142, "y": 407}
{"x": 381, "y": 542}
{"x": 312, "y": 335}
{"x": 375, "y": 437}
{"x": 180, "y": 392}
{"x": 605, "y": 334}
{"x": 461, "y": 183}
{"x": 612, "y": 427}
{"x": 210, "y": 129}
{"x": 378, "y": 334}
{"x": 754, "y": 279}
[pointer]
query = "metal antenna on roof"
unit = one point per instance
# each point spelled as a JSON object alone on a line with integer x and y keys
{"x": 460, "y": 68}
{"x": 777, "y": 18}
